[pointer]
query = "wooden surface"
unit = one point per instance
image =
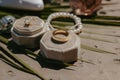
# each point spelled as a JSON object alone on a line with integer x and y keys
{"x": 100, "y": 65}
{"x": 110, "y": 8}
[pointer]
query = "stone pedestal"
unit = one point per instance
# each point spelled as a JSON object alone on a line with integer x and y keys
{"x": 27, "y": 31}
{"x": 65, "y": 52}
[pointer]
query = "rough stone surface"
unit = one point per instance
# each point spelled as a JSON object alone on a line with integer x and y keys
{"x": 30, "y": 35}
{"x": 66, "y": 52}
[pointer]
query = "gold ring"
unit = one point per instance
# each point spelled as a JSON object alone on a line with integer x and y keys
{"x": 59, "y": 39}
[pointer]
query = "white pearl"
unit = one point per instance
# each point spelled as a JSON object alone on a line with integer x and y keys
{"x": 57, "y": 15}
{"x": 65, "y": 15}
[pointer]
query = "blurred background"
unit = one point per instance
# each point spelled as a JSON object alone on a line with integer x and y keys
{"x": 108, "y": 7}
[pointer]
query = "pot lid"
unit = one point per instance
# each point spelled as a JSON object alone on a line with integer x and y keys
{"x": 28, "y": 25}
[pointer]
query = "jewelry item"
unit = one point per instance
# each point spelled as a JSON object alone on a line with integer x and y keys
{"x": 60, "y": 39}
{"x": 76, "y": 28}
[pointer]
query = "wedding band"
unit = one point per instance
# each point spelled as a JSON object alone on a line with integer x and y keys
{"x": 59, "y": 39}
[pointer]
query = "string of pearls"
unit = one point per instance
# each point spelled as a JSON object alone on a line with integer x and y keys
{"x": 76, "y": 28}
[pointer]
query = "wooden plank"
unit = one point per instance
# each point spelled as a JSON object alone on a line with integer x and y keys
{"x": 11, "y": 73}
{"x": 109, "y": 32}
{"x": 111, "y": 47}
{"x": 110, "y": 10}
{"x": 103, "y": 38}
{"x": 107, "y": 68}
{"x": 101, "y": 26}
